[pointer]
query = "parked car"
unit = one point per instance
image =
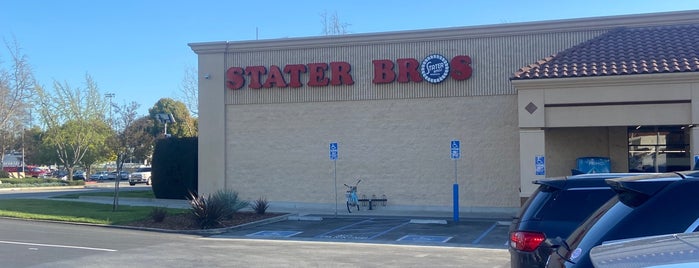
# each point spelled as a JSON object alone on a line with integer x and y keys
{"x": 60, "y": 174}
{"x": 141, "y": 175}
{"x": 16, "y": 169}
{"x": 39, "y": 172}
{"x": 99, "y": 176}
{"x": 548, "y": 214}
{"x": 122, "y": 175}
{"x": 79, "y": 175}
{"x": 673, "y": 250}
{"x": 643, "y": 206}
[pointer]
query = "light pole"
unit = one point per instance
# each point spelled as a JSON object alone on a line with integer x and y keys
{"x": 165, "y": 118}
{"x": 115, "y": 204}
{"x": 110, "y": 96}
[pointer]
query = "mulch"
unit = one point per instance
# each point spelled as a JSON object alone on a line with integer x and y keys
{"x": 186, "y": 221}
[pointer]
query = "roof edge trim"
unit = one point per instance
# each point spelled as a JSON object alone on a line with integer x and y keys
{"x": 578, "y": 24}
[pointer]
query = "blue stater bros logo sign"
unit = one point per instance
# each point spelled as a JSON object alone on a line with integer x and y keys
{"x": 434, "y": 68}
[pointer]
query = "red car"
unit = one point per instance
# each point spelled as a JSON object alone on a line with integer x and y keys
{"x": 38, "y": 172}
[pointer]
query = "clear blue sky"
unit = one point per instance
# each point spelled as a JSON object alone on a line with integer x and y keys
{"x": 138, "y": 49}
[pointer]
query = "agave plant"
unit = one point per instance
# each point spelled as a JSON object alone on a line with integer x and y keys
{"x": 260, "y": 205}
{"x": 209, "y": 211}
{"x": 230, "y": 200}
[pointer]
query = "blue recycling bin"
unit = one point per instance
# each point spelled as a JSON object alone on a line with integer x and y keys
{"x": 594, "y": 165}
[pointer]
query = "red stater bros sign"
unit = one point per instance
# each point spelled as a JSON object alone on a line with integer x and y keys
{"x": 434, "y": 69}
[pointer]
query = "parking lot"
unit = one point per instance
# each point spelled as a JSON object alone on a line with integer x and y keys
{"x": 486, "y": 233}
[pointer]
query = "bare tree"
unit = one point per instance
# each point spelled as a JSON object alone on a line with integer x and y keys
{"x": 190, "y": 91}
{"x": 16, "y": 87}
{"x": 126, "y": 138}
{"x": 125, "y": 142}
{"x": 332, "y": 24}
{"x": 70, "y": 117}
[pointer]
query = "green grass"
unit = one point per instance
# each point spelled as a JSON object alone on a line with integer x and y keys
{"x": 73, "y": 211}
{"x": 127, "y": 194}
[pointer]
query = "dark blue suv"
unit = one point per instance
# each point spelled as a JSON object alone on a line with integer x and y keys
{"x": 555, "y": 209}
{"x": 643, "y": 206}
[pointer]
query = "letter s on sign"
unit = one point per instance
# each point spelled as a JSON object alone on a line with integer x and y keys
{"x": 234, "y": 78}
{"x": 461, "y": 67}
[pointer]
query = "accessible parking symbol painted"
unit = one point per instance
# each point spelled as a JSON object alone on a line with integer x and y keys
{"x": 425, "y": 238}
{"x": 274, "y": 234}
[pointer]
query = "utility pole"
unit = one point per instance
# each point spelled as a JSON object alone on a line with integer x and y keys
{"x": 24, "y": 131}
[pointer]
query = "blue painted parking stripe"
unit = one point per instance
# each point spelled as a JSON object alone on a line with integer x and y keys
{"x": 478, "y": 240}
{"x": 390, "y": 229}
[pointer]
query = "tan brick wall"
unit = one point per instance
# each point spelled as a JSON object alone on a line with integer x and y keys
{"x": 399, "y": 148}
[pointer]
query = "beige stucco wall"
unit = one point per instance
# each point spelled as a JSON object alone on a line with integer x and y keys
{"x": 399, "y": 148}
{"x": 212, "y": 158}
{"x": 532, "y": 144}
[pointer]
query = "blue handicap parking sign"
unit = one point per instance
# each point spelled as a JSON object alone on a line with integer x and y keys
{"x": 455, "y": 149}
{"x": 333, "y": 151}
{"x": 540, "y": 165}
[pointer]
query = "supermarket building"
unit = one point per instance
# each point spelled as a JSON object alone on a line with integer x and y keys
{"x": 525, "y": 100}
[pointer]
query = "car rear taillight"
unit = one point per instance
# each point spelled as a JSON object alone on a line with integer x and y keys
{"x": 526, "y": 241}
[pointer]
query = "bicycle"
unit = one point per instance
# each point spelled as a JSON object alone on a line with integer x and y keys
{"x": 351, "y": 195}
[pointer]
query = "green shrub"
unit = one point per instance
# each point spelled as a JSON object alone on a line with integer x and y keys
{"x": 260, "y": 205}
{"x": 75, "y": 182}
{"x": 158, "y": 214}
{"x": 4, "y": 174}
{"x": 37, "y": 182}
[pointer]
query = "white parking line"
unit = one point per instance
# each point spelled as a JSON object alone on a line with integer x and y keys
{"x": 56, "y": 246}
{"x": 484, "y": 234}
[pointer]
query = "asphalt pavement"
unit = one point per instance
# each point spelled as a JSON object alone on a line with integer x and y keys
{"x": 47, "y": 244}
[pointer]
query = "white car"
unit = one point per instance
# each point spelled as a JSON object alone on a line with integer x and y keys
{"x": 99, "y": 176}
{"x": 141, "y": 175}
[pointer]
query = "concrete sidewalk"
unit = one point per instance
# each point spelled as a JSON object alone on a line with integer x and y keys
{"x": 302, "y": 209}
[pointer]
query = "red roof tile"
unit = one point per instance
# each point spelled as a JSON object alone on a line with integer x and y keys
{"x": 623, "y": 51}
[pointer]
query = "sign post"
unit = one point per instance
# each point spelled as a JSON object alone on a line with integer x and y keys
{"x": 456, "y": 154}
{"x": 333, "y": 157}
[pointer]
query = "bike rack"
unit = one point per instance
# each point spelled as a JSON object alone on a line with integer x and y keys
{"x": 381, "y": 201}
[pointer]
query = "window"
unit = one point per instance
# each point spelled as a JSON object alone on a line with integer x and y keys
{"x": 658, "y": 148}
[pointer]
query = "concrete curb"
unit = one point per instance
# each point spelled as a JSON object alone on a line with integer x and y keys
{"x": 304, "y": 218}
{"x": 428, "y": 221}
